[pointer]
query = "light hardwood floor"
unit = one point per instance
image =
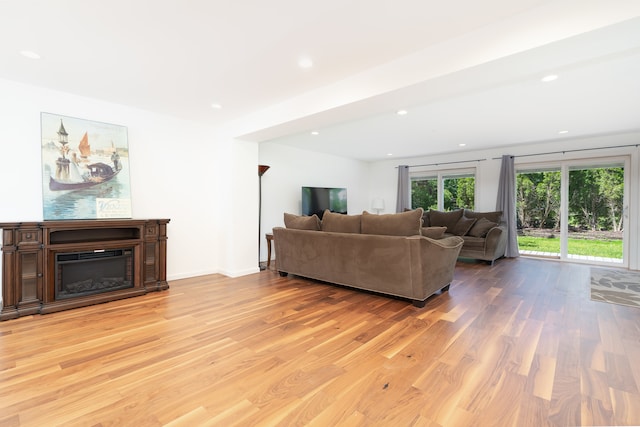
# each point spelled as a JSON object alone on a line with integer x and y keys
{"x": 516, "y": 344}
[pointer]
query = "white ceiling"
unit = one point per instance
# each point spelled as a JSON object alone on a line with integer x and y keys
{"x": 178, "y": 57}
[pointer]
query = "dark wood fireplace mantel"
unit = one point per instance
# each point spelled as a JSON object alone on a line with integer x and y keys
{"x": 29, "y": 251}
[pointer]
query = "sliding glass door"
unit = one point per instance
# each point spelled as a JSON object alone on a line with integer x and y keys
{"x": 573, "y": 210}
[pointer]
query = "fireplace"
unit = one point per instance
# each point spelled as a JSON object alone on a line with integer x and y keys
{"x": 51, "y": 266}
{"x": 86, "y": 273}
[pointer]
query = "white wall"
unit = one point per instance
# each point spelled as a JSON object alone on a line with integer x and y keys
{"x": 292, "y": 169}
{"x": 238, "y": 208}
{"x": 180, "y": 170}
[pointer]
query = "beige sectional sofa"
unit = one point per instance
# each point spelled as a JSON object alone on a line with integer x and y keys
{"x": 380, "y": 253}
{"x": 484, "y": 233}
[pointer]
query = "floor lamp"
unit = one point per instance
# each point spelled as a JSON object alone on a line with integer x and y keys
{"x": 261, "y": 170}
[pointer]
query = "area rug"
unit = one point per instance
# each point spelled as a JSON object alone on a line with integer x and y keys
{"x": 615, "y": 286}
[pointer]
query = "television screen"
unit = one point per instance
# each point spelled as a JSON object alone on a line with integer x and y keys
{"x": 316, "y": 199}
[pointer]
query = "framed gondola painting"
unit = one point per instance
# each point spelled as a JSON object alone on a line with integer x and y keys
{"x": 85, "y": 169}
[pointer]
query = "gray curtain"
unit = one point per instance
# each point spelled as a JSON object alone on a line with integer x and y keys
{"x": 403, "y": 201}
{"x": 507, "y": 204}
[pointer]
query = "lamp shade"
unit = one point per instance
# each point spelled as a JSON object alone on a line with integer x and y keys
{"x": 377, "y": 204}
{"x": 262, "y": 169}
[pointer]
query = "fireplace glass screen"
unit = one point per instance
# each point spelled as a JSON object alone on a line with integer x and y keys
{"x": 88, "y": 273}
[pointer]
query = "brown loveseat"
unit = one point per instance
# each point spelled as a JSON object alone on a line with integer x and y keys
{"x": 380, "y": 253}
{"x": 484, "y": 233}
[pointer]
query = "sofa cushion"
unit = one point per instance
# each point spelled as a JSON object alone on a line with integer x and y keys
{"x": 474, "y": 243}
{"x": 300, "y": 222}
{"x": 481, "y": 227}
{"x": 406, "y": 223}
{"x": 433, "y": 232}
{"x": 495, "y": 216}
{"x": 463, "y": 225}
{"x": 425, "y": 217}
{"x": 445, "y": 219}
{"x": 340, "y": 223}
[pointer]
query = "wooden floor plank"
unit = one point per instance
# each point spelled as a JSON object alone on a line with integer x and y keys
{"x": 517, "y": 343}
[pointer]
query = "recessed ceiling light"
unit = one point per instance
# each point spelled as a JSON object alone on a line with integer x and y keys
{"x": 315, "y": 132}
{"x": 216, "y": 106}
{"x": 462, "y": 145}
{"x": 549, "y": 78}
{"x": 402, "y": 112}
{"x": 562, "y": 132}
{"x": 29, "y": 54}
{"x": 305, "y": 62}
{"x": 389, "y": 154}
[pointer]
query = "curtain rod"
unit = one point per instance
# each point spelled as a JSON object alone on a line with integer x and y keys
{"x": 571, "y": 151}
{"x": 444, "y": 163}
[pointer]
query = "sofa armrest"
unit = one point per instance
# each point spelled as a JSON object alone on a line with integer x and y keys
{"x": 451, "y": 242}
{"x": 433, "y": 263}
{"x": 496, "y": 241}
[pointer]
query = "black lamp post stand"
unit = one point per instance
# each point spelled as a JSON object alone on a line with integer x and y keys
{"x": 261, "y": 170}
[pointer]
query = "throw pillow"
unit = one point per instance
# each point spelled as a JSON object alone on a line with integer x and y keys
{"x": 425, "y": 217}
{"x": 399, "y": 224}
{"x": 433, "y": 232}
{"x": 445, "y": 219}
{"x": 426, "y": 222}
{"x": 463, "y": 225}
{"x": 340, "y": 223}
{"x": 481, "y": 227}
{"x": 495, "y": 216}
{"x": 299, "y": 222}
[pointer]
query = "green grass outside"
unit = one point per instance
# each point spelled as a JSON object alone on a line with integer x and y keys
{"x": 598, "y": 248}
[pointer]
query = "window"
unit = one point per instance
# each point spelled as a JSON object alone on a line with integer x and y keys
{"x": 443, "y": 190}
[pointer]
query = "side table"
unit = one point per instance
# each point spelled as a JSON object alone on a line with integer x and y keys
{"x": 269, "y": 237}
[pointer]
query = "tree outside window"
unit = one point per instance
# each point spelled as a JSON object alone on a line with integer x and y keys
{"x": 424, "y": 193}
{"x": 443, "y": 191}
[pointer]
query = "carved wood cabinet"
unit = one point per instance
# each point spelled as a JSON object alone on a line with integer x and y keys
{"x": 57, "y": 265}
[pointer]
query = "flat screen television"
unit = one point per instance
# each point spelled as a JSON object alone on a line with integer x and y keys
{"x": 316, "y": 199}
